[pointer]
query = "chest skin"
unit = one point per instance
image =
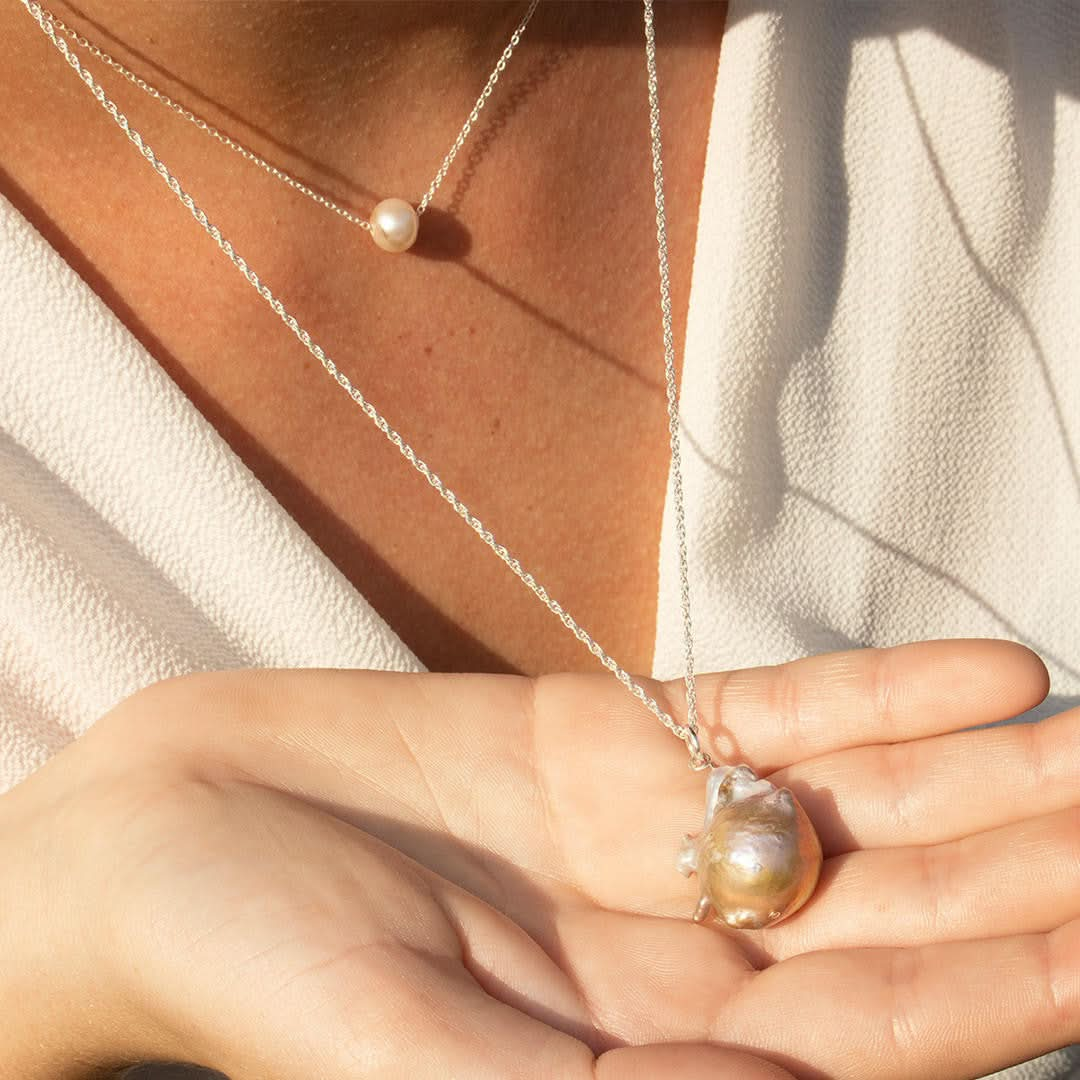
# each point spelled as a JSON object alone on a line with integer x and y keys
{"x": 518, "y": 348}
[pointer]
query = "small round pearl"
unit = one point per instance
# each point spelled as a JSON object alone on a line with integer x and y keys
{"x": 394, "y": 225}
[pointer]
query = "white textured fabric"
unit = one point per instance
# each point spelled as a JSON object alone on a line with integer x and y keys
{"x": 881, "y": 398}
{"x": 135, "y": 545}
{"x": 881, "y": 392}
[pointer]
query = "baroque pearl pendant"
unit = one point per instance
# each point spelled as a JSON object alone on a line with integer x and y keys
{"x": 394, "y": 225}
{"x": 757, "y": 856}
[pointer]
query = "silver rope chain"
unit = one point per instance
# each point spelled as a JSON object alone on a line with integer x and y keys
{"x": 699, "y": 759}
{"x": 688, "y": 732}
{"x": 280, "y": 174}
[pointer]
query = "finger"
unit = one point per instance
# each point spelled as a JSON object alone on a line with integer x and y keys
{"x": 1021, "y": 878}
{"x": 950, "y": 1011}
{"x": 941, "y": 788}
{"x": 621, "y": 818}
{"x": 773, "y": 716}
{"x": 404, "y": 1012}
{"x": 596, "y": 1000}
{"x": 687, "y": 1062}
{"x": 462, "y": 1031}
{"x": 510, "y": 951}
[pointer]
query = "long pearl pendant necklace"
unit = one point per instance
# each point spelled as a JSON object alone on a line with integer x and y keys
{"x": 757, "y": 856}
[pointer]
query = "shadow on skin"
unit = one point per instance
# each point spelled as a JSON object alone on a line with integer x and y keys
{"x": 550, "y": 26}
{"x": 532, "y": 78}
{"x": 383, "y": 587}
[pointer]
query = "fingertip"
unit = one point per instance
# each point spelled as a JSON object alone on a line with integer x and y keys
{"x": 1037, "y": 671}
{"x": 1018, "y": 677}
{"x": 980, "y": 680}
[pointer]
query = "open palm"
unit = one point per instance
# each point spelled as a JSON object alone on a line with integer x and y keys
{"x": 473, "y": 876}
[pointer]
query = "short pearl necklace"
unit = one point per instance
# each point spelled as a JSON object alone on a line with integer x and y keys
{"x": 757, "y": 856}
{"x": 394, "y": 223}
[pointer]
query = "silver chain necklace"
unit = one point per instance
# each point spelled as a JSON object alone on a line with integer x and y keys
{"x": 757, "y": 856}
{"x": 394, "y": 224}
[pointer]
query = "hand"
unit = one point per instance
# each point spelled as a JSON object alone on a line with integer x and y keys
{"x": 286, "y": 874}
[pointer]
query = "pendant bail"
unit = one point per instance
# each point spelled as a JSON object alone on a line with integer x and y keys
{"x": 698, "y": 758}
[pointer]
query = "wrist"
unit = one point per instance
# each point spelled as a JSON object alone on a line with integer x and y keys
{"x": 66, "y": 1026}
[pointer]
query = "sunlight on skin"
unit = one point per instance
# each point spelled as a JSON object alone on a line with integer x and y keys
{"x": 490, "y": 861}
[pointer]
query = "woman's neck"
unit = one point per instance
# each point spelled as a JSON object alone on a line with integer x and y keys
{"x": 359, "y": 88}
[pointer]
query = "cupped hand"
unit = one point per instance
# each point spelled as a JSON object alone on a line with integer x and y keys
{"x": 296, "y": 874}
